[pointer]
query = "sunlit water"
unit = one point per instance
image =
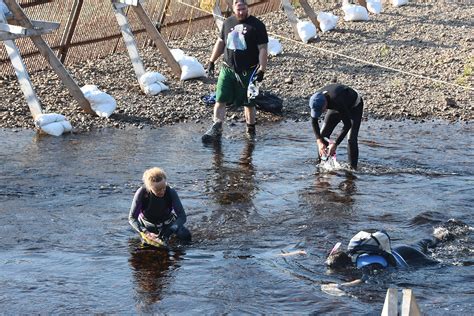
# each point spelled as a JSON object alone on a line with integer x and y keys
{"x": 66, "y": 245}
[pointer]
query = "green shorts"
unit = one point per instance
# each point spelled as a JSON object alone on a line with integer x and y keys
{"x": 230, "y": 90}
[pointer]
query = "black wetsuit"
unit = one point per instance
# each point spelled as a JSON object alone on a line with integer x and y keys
{"x": 344, "y": 104}
{"x": 160, "y": 215}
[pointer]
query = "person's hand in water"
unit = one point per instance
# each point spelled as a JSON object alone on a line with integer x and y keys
{"x": 321, "y": 148}
{"x": 332, "y": 149}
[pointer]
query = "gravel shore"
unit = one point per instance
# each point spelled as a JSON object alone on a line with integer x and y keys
{"x": 434, "y": 40}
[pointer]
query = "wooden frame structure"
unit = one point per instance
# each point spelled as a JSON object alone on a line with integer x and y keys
{"x": 25, "y": 27}
{"x": 152, "y": 31}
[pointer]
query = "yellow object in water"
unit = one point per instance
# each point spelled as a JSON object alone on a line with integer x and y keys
{"x": 207, "y": 5}
{"x": 153, "y": 242}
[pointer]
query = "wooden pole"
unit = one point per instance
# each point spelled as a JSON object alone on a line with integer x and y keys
{"x": 69, "y": 29}
{"x": 129, "y": 39}
{"x": 217, "y": 14}
{"x": 310, "y": 12}
{"x": 26, "y": 87}
{"x": 363, "y": 3}
{"x": 390, "y": 307}
{"x": 52, "y": 59}
{"x": 156, "y": 37}
{"x": 290, "y": 13}
{"x": 409, "y": 305}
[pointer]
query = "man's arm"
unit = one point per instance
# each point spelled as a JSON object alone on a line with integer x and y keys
{"x": 263, "y": 56}
{"x": 217, "y": 50}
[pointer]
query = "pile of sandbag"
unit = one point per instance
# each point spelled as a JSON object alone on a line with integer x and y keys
{"x": 152, "y": 83}
{"x": 355, "y": 12}
{"x": 306, "y": 30}
{"x": 52, "y": 123}
{"x": 190, "y": 66}
{"x": 101, "y": 103}
{"x": 327, "y": 21}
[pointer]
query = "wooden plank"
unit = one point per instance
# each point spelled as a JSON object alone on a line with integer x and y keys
{"x": 390, "y": 306}
{"x": 156, "y": 37}
{"x": 290, "y": 13}
{"x": 310, "y": 13}
{"x": 46, "y": 25}
{"x": 49, "y": 55}
{"x": 217, "y": 14}
{"x": 129, "y": 40}
{"x": 26, "y": 86}
{"x": 409, "y": 305}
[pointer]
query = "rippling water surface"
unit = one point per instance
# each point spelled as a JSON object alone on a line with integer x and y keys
{"x": 66, "y": 245}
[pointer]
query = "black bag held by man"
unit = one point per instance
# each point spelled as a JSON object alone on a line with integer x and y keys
{"x": 268, "y": 102}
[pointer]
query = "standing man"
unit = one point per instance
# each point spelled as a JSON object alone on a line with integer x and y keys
{"x": 243, "y": 41}
{"x": 342, "y": 103}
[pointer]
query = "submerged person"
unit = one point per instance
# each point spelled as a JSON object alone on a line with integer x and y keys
{"x": 370, "y": 251}
{"x": 243, "y": 41}
{"x": 342, "y": 103}
{"x": 156, "y": 210}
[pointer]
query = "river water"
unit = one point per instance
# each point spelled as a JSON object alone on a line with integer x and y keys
{"x": 66, "y": 245}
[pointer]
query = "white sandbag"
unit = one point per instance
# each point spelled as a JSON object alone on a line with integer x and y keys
{"x": 306, "y": 30}
{"x": 101, "y": 103}
{"x": 151, "y": 77}
{"x": 190, "y": 66}
{"x": 53, "y": 124}
{"x": 163, "y": 86}
{"x": 354, "y": 12}
{"x": 399, "y": 3}
{"x": 327, "y": 21}
{"x": 178, "y": 54}
{"x": 374, "y": 6}
{"x": 274, "y": 46}
{"x": 151, "y": 83}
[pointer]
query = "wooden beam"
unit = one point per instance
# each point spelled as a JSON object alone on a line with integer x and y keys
{"x": 129, "y": 40}
{"x": 290, "y": 13}
{"x": 47, "y": 53}
{"x": 409, "y": 305}
{"x": 12, "y": 32}
{"x": 390, "y": 307}
{"x": 156, "y": 37}
{"x": 363, "y": 3}
{"x": 26, "y": 87}
{"x": 310, "y": 13}
{"x": 217, "y": 14}
{"x": 13, "y": 29}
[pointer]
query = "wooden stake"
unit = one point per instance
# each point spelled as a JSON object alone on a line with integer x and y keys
{"x": 310, "y": 12}
{"x": 217, "y": 14}
{"x": 290, "y": 13}
{"x": 129, "y": 40}
{"x": 26, "y": 87}
{"x": 390, "y": 307}
{"x": 47, "y": 53}
{"x": 409, "y": 305}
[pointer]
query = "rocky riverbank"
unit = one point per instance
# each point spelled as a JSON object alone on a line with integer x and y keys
{"x": 434, "y": 40}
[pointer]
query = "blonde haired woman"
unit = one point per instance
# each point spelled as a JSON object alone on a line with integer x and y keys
{"x": 156, "y": 209}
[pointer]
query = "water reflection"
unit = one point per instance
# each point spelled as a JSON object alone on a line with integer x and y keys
{"x": 152, "y": 272}
{"x": 233, "y": 182}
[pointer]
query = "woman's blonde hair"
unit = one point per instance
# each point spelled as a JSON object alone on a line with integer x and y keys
{"x": 153, "y": 175}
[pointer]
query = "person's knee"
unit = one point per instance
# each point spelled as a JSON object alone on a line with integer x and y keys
{"x": 183, "y": 233}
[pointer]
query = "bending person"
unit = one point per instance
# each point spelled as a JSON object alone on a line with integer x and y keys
{"x": 342, "y": 103}
{"x": 156, "y": 209}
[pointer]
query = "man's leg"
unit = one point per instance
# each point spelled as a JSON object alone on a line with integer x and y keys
{"x": 353, "y": 145}
{"x": 250, "y": 119}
